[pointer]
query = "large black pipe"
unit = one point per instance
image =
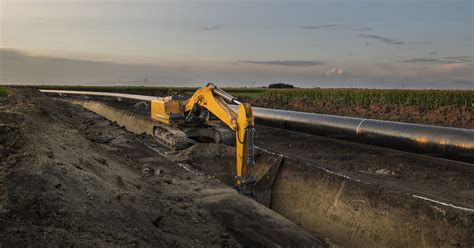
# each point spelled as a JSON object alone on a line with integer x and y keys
{"x": 452, "y": 143}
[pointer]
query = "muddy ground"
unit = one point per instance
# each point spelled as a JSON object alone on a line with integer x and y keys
{"x": 70, "y": 178}
{"x": 450, "y": 116}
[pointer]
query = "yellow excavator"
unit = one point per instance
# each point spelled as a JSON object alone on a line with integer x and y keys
{"x": 202, "y": 117}
{"x": 210, "y": 115}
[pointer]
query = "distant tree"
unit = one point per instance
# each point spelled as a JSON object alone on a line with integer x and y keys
{"x": 281, "y": 86}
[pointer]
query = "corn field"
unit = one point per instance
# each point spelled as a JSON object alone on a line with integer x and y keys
{"x": 425, "y": 98}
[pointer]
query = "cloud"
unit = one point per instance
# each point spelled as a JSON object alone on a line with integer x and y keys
{"x": 35, "y": 18}
{"x": 327, "y": 26}
{"x": 286, "y": 62}
{"x": 382, "y": 39}
{"x": 21, "y": 67}
{"x": 334, "y": 72}
{"x": 365, "y": 29}
{"x": 432, "y": 53}
{"x": 423, "y": 42}
{"x": 209, "y": 28}
{"x": 442, "y": 60}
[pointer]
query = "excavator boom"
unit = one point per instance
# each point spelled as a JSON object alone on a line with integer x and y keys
{"x": 217, "y": 102}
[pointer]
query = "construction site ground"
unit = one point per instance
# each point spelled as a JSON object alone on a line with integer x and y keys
{"x": 423, "y": 184}
{"x": 69, "y": 177}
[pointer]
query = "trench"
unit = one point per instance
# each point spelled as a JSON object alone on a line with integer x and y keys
{"x": 349, "y": 209}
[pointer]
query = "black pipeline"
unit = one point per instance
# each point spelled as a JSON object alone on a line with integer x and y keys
{"x": 452, "y": 143}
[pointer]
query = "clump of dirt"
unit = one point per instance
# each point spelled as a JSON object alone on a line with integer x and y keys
{"x": 451, "y": 116}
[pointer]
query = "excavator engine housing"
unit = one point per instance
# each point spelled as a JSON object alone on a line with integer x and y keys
{"x": 168, "y": 110}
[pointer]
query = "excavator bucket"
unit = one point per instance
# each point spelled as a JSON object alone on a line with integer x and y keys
{"x": 266, "y": 169}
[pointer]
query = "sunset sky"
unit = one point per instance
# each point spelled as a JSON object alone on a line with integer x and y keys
{"x": 327, "y": 43}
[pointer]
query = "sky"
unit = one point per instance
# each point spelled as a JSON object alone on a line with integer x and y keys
{"x": 324, "y": 43}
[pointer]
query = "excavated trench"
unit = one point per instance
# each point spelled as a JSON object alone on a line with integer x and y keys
{"x": 348, "y": 208}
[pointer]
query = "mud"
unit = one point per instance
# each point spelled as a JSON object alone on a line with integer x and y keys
{"x": 358, "y": 195}
{"x": 71, "y": 178}
{"x": 450, "y": 116}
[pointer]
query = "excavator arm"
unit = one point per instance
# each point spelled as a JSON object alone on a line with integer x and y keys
{"x": 217, "y": 102}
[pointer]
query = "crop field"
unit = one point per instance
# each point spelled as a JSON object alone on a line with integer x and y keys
{"x": 364, "y": 97}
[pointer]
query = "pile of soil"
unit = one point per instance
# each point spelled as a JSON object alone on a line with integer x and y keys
{"x": 69, "y": 177}
{"x": 450, "y": 116}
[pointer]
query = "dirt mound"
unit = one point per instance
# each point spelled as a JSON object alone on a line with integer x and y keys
{"x": 451, "y": 116}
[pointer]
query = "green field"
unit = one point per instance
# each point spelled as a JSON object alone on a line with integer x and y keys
{"x": 424, "y": 98}
{"x": 3, "y": 91}
{"x": 362, "y": 97}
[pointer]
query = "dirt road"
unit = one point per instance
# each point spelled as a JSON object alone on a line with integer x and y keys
{"x": 70, "y": 178}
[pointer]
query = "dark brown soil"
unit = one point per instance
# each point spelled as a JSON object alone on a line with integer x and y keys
{"x": 70, "y": 178}
{"x": 450, "y": 116}
{"x": 358, "y": 194}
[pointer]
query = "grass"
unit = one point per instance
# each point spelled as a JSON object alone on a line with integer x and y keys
{"x": 3, "y": 91}
{"x": 424, "y": 98}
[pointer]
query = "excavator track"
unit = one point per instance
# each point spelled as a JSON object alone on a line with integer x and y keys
{"x": 171, "y": 137}
{"x": 180, "y": 138}
{"x": 210, "y": 133}
{"x": 223, "y": 134}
